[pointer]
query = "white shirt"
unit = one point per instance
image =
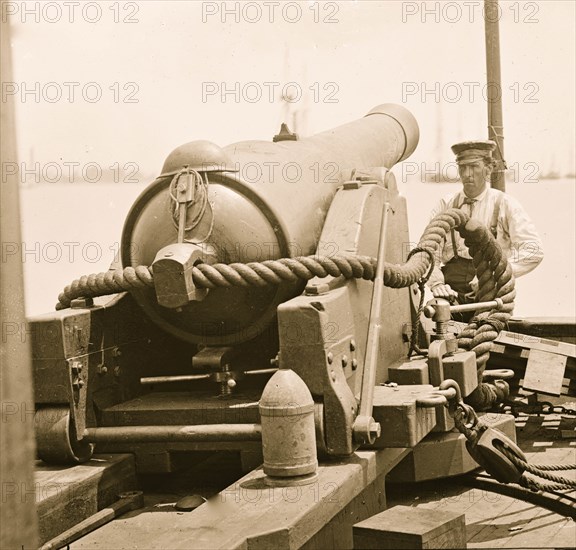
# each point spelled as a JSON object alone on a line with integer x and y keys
{"x": 516, "y": 235}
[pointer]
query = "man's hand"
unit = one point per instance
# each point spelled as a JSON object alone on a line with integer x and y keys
{"x": 474, "y": 285}
{"x": 444, "y": 291}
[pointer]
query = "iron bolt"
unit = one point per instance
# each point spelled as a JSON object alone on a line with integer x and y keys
{"x": 354, "y": 364}
{"x": 76, "y": 367}
{"x": 330, "y": 357}
{"x": 375, "y": 430}
{"x": 344, "y": 360}
{"x": 352, "y": 344}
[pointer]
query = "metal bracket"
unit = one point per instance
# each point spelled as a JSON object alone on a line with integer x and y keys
{"x": 366, "y": 430}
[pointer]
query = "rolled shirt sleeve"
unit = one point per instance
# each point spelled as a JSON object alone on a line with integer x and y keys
{"x": 519, "y": 238}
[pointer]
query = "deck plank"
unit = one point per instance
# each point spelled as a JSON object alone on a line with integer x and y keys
{"x": 499, "y": 521}
{"x": 66, "y": 495}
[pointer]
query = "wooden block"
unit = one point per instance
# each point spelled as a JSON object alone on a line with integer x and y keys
{"x": 462, "y": 368}
{"x": 402, "y": 423}
{"x": 179, "y": 408}
{"x": 444, "y": 454}
{"x": 67, "y": 495}
{"x": 544, "y": 372}
{"x": 409, "y": 373}
{"x": 405, "y": 527}
{"x": 369, "y": 502}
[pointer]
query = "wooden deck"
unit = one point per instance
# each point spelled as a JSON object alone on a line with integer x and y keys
{"x": 497, "y": 521}
{"x": 493, "y": 520}
{"x": 250, "y": 514}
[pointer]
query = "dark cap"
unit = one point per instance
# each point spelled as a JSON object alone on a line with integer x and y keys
{"x": 468, "y": 152}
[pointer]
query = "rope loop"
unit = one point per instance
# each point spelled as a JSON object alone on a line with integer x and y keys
{"x": 492, "y": 270}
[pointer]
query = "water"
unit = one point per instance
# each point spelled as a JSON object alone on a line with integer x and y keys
{"x": 71, "y": 230}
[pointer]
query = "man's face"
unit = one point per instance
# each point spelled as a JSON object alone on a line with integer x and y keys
{"x": 474, "y": 176}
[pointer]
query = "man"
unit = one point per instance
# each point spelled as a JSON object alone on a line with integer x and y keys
{"x": 507, "y": 220}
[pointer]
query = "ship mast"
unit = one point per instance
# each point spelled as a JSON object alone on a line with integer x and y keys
{"x": 494, "y": 90}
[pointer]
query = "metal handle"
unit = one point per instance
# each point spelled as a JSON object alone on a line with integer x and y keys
{"x": 365, "y": 429}
{"x": 431, "y": 309}
{"x": 496, "y": 303}
{"x": 127, "y": 501}
{"x": 177, "y": 378}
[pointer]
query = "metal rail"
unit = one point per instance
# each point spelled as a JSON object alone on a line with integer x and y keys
{"x": 174, "y": 434}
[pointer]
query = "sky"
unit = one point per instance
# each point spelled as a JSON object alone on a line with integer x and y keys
{"x": 162, "y": 70}
{"x": 118, "y": 85}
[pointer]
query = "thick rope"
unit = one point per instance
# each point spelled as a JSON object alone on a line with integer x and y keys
{"x": 495, "y": 280}
{"x": 492, "y": 269}
{"x": 102, "y": 284}
{"x": 535, "y": 470}
{"x": 535, "y": 485}
{"x": 415, "y": 336}
{"x": 277, "y": 271}
{"x": 245, "y": 275}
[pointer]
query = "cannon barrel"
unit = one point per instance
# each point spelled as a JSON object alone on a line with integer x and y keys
{"x": 265, "y": 200}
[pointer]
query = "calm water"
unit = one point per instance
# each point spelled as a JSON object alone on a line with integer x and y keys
{"x": 73, "y": 230}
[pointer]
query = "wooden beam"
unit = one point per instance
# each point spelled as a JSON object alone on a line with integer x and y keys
{"x": 533, "y": 342}
{"x": 67, "y": 495}
{"x": 442, "y": 455}
{"x": 250, "y": 514}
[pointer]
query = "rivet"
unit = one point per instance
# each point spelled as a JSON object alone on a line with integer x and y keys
{"x": 352, "y": 344}
{"x": 330, "y": 357}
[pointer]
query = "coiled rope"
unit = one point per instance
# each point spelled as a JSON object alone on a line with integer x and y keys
{"x": 492, "y": 270}
{"x": 279, "y": 271}
{"x": 415, "y": 337}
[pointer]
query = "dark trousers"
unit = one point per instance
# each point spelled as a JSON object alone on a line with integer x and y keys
{"x": 458, "y": 273}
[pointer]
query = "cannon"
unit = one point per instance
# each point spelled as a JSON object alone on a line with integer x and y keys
{"x": 237, "y": 263}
